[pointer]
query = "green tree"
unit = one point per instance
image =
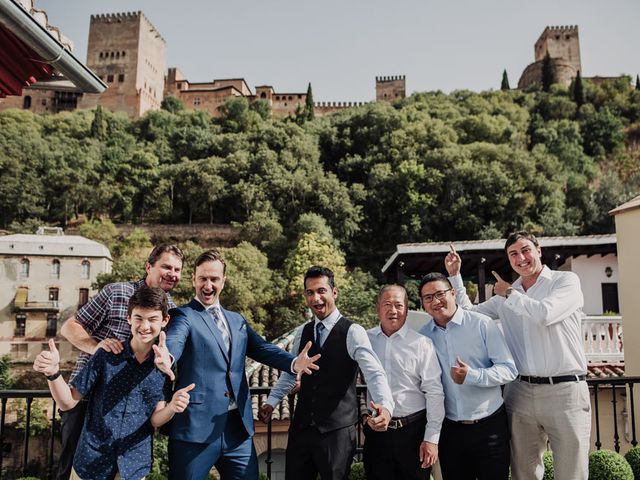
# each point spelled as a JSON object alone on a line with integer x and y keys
{"x": 7, "y": 380}
{"x": 505, "y": 81}
{"x": 262, "y": 107}
{"x": 39, "y": 418}
{"x": 577, "y": 90}
{"x": 548, "y": 73}
{"x": 308, "y": 104}
{"x": 98, "y": 125}
{"x": 637, "y": 82}
{"x": 172, "y": 104}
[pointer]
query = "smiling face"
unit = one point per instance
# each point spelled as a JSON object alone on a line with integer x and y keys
{"x": 208, "y": 280}
{"x": 439, "y": 301}
{"x": 320, "y": 297}
{"x": 165, "y": 272}
{"x": 392, "y": 310}
{"x": 525, "y": 258}
{"x": 146, "y": 324}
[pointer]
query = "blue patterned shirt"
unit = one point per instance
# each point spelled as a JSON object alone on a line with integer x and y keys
{"x": 117, "y": 432}
{"x": 105, "y": 316}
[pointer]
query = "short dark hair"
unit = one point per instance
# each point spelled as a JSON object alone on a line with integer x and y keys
{"x": 158, "y": 250}
{"x": 433, "y": 277}
{"x": 210, "y": 256}
{"x": 152, "y": 298}
{"x": 515, "y": 236}
{"x": 393, "y": 286}
{"x": 317, "y": 272}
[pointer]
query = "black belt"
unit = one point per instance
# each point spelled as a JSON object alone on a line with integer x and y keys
{"x": 499, "y": 411}
{"x": 552, "y": 380}
{"x": 399, "y": 422}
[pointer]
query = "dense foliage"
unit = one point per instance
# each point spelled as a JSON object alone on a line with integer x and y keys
{"x": 431, "y": 167}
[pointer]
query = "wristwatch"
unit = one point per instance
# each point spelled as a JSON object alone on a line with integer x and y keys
{"x": 51, "y": 378}
{"x": 508, "y": 292}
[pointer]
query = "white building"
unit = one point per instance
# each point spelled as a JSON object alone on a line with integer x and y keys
{"x": 44, "y": 278}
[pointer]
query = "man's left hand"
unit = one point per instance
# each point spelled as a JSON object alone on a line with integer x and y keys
{"x": 428, "y": 454}
{"x": 501, "y": 286}
{"x": 303, "y": 363}
{"x": 380, "y": 421}
{"x": 459, "y": 373}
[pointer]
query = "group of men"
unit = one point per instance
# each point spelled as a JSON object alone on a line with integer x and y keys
{"x": 433, "y": 394}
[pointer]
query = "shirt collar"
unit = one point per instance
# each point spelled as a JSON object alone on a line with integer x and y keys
{"x": 208, "y": 307}
{"x": 544, "y": 273}
{"x": 127, "y": 352}
{"x": 330, "y": 320}
{"x": 400, "y": 333}
{"x": 457, "y": 318}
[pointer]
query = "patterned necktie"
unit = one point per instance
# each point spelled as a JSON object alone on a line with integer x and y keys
{"x": 320, "y": 328}
{"x": 222, "y": 326}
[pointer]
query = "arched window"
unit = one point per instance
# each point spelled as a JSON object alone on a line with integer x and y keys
{"x": 263, "y": 95}
{"x": 24, "y": 268}
{"x": 85, "y": 270}
{"x": 26, "y": 103}
{"x": 55, "y": 268}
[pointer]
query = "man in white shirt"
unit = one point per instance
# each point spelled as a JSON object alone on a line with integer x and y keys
{"x": 541, "y": 315}
{"x": 407, "y": 449}
{"x": 322, "y": 436}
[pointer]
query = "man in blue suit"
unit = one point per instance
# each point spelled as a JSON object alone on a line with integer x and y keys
{"x": 209, "y": 345}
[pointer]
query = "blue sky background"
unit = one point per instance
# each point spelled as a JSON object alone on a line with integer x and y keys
{"x": 340, "y": 46}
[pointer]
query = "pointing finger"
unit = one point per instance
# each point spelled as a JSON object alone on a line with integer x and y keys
{"x": 497, "y": 277}
{"x": 188, "y": 388}
{"x": 162, "y": 339}
{"x": 306, "y": 348}
{"x": 452, "y": 248}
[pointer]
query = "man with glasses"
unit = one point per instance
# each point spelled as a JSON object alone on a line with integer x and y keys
{"x": 541, "y": 314}
{"x": 475, "y": 361}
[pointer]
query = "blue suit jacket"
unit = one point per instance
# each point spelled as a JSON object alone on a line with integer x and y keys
{"x": 202, "y": 358}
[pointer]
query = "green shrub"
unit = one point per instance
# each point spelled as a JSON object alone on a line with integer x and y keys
{"x": 633, "y": 457}
{"x": 357, "y": 472}
{"x": 155, "y": 476}
{"x": 609, "y": 465}
{"x": 547, "y": 460}
{"x": 28, "y": 478}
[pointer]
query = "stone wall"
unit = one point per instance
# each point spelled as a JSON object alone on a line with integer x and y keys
{"x": 391, "y": 88}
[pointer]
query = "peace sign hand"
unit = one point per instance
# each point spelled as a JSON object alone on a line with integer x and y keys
{"x": 163, "y": 359}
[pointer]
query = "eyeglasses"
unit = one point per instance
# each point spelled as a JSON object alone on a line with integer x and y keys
{"x": 429, "y": 297}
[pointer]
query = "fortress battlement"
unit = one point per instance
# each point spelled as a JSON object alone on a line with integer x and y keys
{"x": 392, "y": 78}
{"x": 122, "y": 17}
{"x": 338, "y": 104}
{"x": 562, "y": 29}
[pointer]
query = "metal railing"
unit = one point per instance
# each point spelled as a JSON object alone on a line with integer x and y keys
{"x": 618, "y": 386}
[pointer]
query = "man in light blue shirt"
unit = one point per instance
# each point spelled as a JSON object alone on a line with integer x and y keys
{"x": 475, "y": 361}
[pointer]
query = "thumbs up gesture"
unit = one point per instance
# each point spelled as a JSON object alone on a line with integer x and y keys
{"x": 48, "y": 361}
{"x": 459, "y": 371}
{"x": 180, "y": 399}
{"x": 501, "y": 285}
{"x": 163, "y": 359}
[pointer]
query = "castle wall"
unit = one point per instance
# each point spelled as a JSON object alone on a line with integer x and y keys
{"x": 389, "y": 89}
{"x": 559, "y": 42}
{"x": 564, "y": 73}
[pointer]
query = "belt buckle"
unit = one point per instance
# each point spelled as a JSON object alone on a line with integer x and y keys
{"x": 468, "y": 422}
{"x": 395, "y": 424}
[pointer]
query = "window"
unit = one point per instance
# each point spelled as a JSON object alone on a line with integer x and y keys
{"x": 196, "y": 101}
{"x": 43, "y": 102}
{"x": 85, "y": 270}
{"x": 24, "y": 268}
{"x": 110, "y": 78}
{"x": 263, "y": 95}
{"x": 19, "y": 351}
{"x": 21, "y": 322}
{"x": 55, "y": 268}
{"x": 52, "y": 325}
{"x": 53, "y": 294}
{"x": 26, "y": 103}
{"x": 121, "y": 77}
{"x": 83, "y": 297}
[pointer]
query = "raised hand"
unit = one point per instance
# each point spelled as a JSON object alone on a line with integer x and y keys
{"x": 452, "y": 262}
{"x": 112, "y": 345}
{"x": 180, "y": 399}
{"x": 459, "y": 372}
{"x": 303, "y": 363}
{"x": 163, "y": 358}
{"x": 48, "y": 361}
{"x": 264, "y": 414}
{"x": 379, "y": 421}
{"x": 428, "y": 454}
{"x": 501, "y": 286}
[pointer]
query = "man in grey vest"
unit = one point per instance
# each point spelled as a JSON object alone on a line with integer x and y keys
{"x": 322, "y": 436}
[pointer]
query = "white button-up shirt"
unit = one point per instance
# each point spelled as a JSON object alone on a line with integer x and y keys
{"x": 542, "y": 326}
{"x": 413, "y": 371}
{"x": 358, "y": 348}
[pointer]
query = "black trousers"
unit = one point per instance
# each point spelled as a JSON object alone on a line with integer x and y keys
{"x": 72, "y": 422}
{"x": 329, "y": 454}
{"x": 395, "y": 454}
{"x": 479, "y": 450}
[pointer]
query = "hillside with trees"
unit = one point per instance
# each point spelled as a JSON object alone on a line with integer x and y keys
{"x": 352, "y": 185}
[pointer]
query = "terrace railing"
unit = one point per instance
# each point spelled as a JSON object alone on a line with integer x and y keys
{"x": 603, "y": 339}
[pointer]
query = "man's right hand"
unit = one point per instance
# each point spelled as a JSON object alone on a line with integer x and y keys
{"x": 112, "y": 345}
{"x": 48, "y": 362}
{"x": 264, "y": 414}
{"x": 163, "y": 358}
{"x": 452, "y": 261}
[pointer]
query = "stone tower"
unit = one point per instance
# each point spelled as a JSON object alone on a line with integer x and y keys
{"x": 563, "y": 46}
{"x": 389, "y": 89}
{"x": 128, "y": 54}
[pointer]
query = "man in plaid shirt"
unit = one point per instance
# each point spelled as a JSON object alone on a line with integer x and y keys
{"x": 102, "y": 323}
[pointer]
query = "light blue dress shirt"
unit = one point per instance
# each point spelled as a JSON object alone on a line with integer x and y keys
{"x": 478, "y": 342}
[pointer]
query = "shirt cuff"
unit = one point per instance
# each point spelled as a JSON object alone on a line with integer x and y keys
{"x": 431, "y": 435}
{"x": 456, "y": 281}
{"x": 472, "y": 377}
{"x": 293, "y": 372}
{"x": 513, "y": 298}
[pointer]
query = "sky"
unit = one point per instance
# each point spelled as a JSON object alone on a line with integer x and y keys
{"x": 340, "y": 46}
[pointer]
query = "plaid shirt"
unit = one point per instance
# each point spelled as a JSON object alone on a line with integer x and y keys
{"x": 105, "y": 316}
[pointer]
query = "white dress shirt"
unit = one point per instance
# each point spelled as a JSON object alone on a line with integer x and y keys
{"x": 358, "y": 348}
{"x": 413, "y": 371}
{"x": 542, "y": 326}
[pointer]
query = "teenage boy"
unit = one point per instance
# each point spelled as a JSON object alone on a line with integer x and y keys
{"x": 126, "y": 395}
